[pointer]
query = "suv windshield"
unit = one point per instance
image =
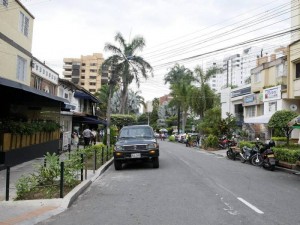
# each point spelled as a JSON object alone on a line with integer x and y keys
{"x": 143, "y": 132}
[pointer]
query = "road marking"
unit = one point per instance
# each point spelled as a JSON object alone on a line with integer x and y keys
{"x": 251, "y": 206}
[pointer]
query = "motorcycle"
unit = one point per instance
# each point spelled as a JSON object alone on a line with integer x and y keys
{"x": 231, "y": 153}
{"x": 266, "y": 156}
{"x": 247, "y": 154}
{"x": 225, "y": 143}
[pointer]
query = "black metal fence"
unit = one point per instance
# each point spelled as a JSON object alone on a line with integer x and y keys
{"x": 91, "y": 159}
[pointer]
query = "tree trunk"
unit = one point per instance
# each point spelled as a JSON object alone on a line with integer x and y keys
{"x": 184, "y": 117}
{"x": 108, "y": 114}
{"x": 123, "y": 99}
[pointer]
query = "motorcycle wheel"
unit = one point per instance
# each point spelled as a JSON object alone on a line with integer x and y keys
{"x": 229, "y": 154}
{"x": 272, "y": 168}
{"x": 243, "y": 160}
{"x": 256, "y": 160}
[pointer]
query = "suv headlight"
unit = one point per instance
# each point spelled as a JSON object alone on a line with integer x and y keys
{"x": 152, "y": 145}
{"x": 119, "y": 148}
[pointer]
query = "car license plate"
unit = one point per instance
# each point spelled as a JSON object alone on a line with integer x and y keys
{"x": 136, "y": 155}
{"x": 271, "y": 156}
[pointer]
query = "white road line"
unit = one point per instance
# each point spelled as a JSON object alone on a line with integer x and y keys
{"x": 250, "y": 206}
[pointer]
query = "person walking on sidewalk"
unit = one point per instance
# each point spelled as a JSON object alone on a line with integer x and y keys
{"x": 94, "y": 138}
{"x": 87, "y": 135}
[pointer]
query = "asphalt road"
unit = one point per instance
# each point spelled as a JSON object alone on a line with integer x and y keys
{"x": 190, "y": 187}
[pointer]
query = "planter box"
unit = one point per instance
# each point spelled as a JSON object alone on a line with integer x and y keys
{"x": 6, "y": 141}
{"x": 10, "y": 141}
{"x": 287, "y": 165}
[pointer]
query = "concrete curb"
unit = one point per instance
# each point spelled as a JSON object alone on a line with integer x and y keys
{"x": 73, "y": 195}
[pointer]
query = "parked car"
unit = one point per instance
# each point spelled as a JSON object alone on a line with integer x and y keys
{"x": 134, "y": 143}
{"x": 180, "y": 137}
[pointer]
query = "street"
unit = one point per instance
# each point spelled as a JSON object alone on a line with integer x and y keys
{"x": 190, "y": 187}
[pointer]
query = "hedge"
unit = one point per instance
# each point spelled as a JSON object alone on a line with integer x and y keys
{"x": 287, "y": 155}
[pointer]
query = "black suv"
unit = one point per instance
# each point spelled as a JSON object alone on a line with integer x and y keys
{"x": 136, "y": 142}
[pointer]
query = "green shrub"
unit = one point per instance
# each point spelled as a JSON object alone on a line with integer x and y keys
{"x": 279, "y": 138}
{"x": 172, "y": 138}
{"x": 113, "y": 135}
{"x": 210, "y": 142}
{"x": 287, "y": 155}
{"x": 246, "y": 143}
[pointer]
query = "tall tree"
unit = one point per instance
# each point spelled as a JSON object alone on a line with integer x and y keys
{"x": 180, "y": 79}
{"x": 131, "y": 66}
{"x": 204, "y": 98}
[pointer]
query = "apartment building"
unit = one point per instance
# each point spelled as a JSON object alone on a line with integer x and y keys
{"x": 27, "y": 90}
{"x": 16, "y": 28}
{"x": 85, "y": 71}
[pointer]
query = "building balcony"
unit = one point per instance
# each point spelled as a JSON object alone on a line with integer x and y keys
{"x": 67, "y": 66}
{"x": 67, "y": 73}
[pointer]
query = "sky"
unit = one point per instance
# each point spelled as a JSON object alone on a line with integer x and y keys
{"x": 174, "y": 30}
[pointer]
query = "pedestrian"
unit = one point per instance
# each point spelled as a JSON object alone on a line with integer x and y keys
{"x": 75, "y": 138}
{"x": 87, "y": 135}
{"x": 198, "y": 140}
{"x": 94, "y": 132}
{"x": 163, "y": 136}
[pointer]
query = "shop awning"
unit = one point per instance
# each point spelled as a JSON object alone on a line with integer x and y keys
{"x": 89, "y": 120}
{"x": 23, "y": 87}
{"x": 258, "y": 119}
{"x": 83, "y": 95}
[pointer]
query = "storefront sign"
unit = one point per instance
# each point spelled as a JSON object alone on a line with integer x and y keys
{"x": 249, "y": 99}
{"x": 272, "y": 93}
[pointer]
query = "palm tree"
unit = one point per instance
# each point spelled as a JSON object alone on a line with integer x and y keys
{"x": 103, "y": 94}
{"x": 134, "y": 101}
{"x": 130, "y": 66}
{"x": 180, "y": 79}
{"x": 205, "y": 99}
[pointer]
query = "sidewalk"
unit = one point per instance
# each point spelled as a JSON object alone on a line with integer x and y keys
{"x": 28, "y": 212}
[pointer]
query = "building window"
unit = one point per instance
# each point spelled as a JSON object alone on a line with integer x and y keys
{"x": 272, "y": 106}
{"x": 93, "y": 77}
{"x": 297, "y": 70}
{"x": 92, "y": 90}
{"x": 66, "y": 96}
{"x": 279, "y": 70}
{"x": 24, "y": 24}
{"x": 257, "y": 77}
{"x": 93, "y": 64}
{"x": 21, "y": 68}
{"x": 92, "y": 83}
{"x": 38, "y": 83}
{"x": 93, "y": 71}
{"x": 250, "y": 111}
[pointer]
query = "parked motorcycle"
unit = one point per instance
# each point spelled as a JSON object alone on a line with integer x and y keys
{"x": 225, "y": 143}
{"x": 231, "y": 153}
{"x": 265, "y": 156}
{"x": 247, "y": 153}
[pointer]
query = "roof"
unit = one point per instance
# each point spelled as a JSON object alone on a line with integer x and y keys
{"x": 23, "y": 87}
{"x": 80, "y": 92}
